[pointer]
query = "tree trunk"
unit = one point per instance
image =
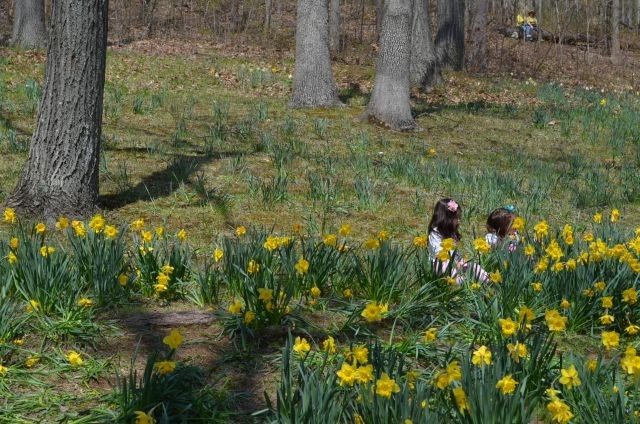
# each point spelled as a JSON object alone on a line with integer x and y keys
{"x": 60, "y": 176}
{"x": 616, "y": 56}
{"x": 389, "y": 102}
{"x": 334, "y": 26}
{"x": 379, "y": 13}
{"x": 450, "y": 37}
{"x": 267, "y": 15}
{"x": 539, "y": 18}
{"x": 313, "y": 84}
{"x": 477, "y": 51}
{"x": 28, "y": 24}
{"x": 637, "y": 15}
{"x": 424, "y": 65}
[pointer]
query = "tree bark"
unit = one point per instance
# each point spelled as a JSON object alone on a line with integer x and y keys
{"x": 616, "y": 56}
{"x": 477, "y": 51}
{"x": 313, "y": 84}
{"x": 450, "y": 37}
{"x": 424, "y": 64}
{"x": 60, "y": 176}
{"x": 389, "y": 102}
{"x": 28, "y": 24}
{"x": 334, "y": 26}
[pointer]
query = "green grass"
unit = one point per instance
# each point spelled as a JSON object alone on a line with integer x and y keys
{"x": 176, "y": 129}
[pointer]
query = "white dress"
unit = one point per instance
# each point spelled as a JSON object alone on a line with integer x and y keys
{"x": 435, "y": 244}
{"x": 492, "y": 239}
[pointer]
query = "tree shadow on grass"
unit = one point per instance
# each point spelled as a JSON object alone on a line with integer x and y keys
{"x": 480, "y": 107}
{"x": 164, "y": 182}
{"x": 353, "y": 91}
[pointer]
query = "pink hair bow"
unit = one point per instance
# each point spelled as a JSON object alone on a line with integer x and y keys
{"x": 452, "y": 205}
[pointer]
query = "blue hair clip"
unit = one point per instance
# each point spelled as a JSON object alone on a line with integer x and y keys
{"x": 510, "y": 208}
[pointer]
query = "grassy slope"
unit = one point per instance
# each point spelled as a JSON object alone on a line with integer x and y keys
{"x": 483, "y": 151}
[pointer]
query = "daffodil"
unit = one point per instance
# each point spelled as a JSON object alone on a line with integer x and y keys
{"x": 507, "y": 384}
{"x": 265, "y": 294}
{"x": 143, "y": 418}
{"x": 173, "y": 339}
{"x": 218, "y": 254}
{"x": 249, "y": 317}
{"x": 10, "y": 215}
{"x": 481, "y": 356}
{"x": 253, "y": 267}
{"x": 481, "y": 245}
{"x": 97, "y": 223}
{"x": 330, "y": 240}
{"x": 329, "y": 345}
{"x": 301, "y": 345}
{"x": 420, "y": 241}
{"x": 517, "y": 351}
{"x": 74, "y": 358}
{"x": 430, "y": 335}
{"x": 508, "y": 327}
{"x": 610, "y": 339}
{"x": 164, "y": 367}
{"x": 302, "y": 266}
{"x": 630, "y": 296}
{"x": 559, "y": 411}
{"x": 386, "y": 386}
{"x": 461, "y": 399}
{"x": 346, "y": 374}
{"x": 569, "y": 377}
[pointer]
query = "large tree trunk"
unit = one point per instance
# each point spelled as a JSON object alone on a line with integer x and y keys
{"x": 477, "y": 50}
{"x": 334, "y": 26}
{"x": 424, "y": 64}
{"x": 28, "y": 24}
{"x": 389, "y": 102}
{"x": 61, "y": 173}
{"x": 616, "y": 56}
{"x": 450, "y": 37}
{"x": 313, "y": 84}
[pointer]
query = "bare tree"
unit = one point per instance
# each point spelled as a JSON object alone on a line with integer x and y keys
{"x": 449, "y": 39}
{"x": 389, "y": 102}
{"x": 425, "y": 71}
{"x": 60, "y": 176}
{"x": 267, "y": 15}
{"x": 28, "y": 24}
{"x": 616, "y": 56}
{"x": 313, "y": 84}
{"x": 477, "y": 49}
{"x": 334, "y": 25}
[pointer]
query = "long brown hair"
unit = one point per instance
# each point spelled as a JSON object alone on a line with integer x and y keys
{"x": 443, "y": 219}
{"x": 500, "y": 222}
